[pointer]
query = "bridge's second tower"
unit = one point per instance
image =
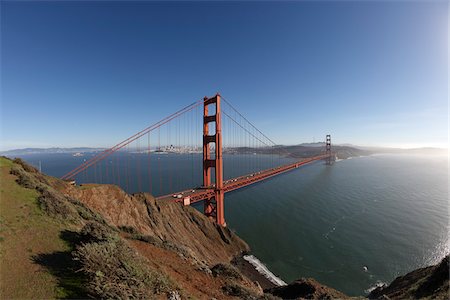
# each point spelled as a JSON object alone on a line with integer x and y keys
{"x": 214, "y": 207}
{"x": 329, "y": 159}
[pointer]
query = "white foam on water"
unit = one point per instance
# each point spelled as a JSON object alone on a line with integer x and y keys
{"x": 374, "y": 286}
{"x": 262, "y": 269}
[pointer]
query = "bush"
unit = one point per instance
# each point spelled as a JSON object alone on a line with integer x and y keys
{"x": 55, "y": 204}
{"x": 116, "y": 272}
{"x": 97, "y": 232}
{"x": 183, "y": 252}
{"x": 23, "y": 178}
{"x": 85, "y": 212}
{"x": 236, "y": 290}
{"x": 167, "y": 245}
{"x": 51, "y": 201}
{"x": 128, "y": 229}
{"x": 226, "y": 270}
{"x": 147, "y": 239}
{"x": 25, "y": 166}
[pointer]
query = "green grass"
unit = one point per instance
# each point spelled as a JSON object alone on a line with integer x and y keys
{"x": 28, "y": 233}
{"x": 4, "y": 162}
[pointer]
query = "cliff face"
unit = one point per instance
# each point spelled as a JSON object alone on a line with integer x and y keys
{"x": 425, "y": 283}
{"x": 167, "y": 221}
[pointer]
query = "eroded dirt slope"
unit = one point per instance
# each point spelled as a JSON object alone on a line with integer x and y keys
{"x": 168, "y": 221}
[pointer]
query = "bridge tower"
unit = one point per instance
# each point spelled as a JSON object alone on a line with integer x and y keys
{"x": 329, "y": 160}
{"x": 213, "y": 207}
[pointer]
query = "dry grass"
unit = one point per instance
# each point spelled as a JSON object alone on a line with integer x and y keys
{"x": 51, "y": 201}
{"x": 226, "y": 271}
{"x": 237, "y": 290}
{"x": 114, "y": 270}
{"x": 26, "y": 231}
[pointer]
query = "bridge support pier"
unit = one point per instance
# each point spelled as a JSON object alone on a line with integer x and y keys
{"x": 213, "y": 207}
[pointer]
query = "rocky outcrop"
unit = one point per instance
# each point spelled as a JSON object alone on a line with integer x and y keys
{"x": 306, "y": 288}
{"x": 425, "y": 283}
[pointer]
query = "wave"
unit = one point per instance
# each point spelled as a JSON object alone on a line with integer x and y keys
{"x": 262, "y": 269}
{"x": 374, "y": 286}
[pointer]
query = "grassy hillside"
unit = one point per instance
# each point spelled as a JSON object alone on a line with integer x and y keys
{"x": 30, "y": 242}
{"x": 53, "y": 246}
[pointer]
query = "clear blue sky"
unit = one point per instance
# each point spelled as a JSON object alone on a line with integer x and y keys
{"x": 93, "y": 73}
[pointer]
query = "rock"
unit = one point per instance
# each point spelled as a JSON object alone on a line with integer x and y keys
{"x": 174, "y": 295}
{"x": 430, "y": 282}
{"x": 306, "y": 289}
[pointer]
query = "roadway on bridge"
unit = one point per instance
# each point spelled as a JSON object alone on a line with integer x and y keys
{"x": 199, "y": 194}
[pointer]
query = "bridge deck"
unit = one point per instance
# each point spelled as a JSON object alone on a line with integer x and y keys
{"x": 197, "y": 195}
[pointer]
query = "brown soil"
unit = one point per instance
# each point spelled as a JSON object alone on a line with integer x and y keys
{"x": 194, "y": 282}
{"x": 166, "y": 220}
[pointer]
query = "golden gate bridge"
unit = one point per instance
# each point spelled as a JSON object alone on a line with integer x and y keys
{"x": 206, "y": 132}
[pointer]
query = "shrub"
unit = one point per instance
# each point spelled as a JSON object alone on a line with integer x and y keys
{"x": 50, "y": 200}
{"x": 23, "y": 178}
{"x": 236, "y": 290}
{"x": 147, "y": 239}
{"x": 167, "y": 245}
{"x": 55, "y": 204}
{"x": 226, "y": 270}
{"x": 25, "y": 166}
{"x": 97, "y": 232}
{"x": 85, "y": 212}
{"x": 128, "y": 229}
{"x": 116, "y": 272}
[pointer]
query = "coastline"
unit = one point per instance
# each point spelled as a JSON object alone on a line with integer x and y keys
{"x": 255, "y": 270}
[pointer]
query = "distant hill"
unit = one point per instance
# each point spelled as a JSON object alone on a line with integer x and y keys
{"x": 318, "y": 144}
{"x": 296, "y": 151}
{"x": 421, "y": 151}
{"x": 301, "y": 151}
{"x": 342, "y": 151}
{"x": 48, "y": 150}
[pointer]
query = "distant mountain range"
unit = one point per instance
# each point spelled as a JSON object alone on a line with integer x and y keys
{"x": 300, "y": 150}
{"x": 26, "y": 151}
{"x": 423, "y": 150}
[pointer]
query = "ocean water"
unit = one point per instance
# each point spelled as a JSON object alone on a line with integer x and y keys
{"x": 358, "y": 223}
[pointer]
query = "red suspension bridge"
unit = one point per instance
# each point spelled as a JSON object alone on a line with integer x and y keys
{"x": 167, "y": 158}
